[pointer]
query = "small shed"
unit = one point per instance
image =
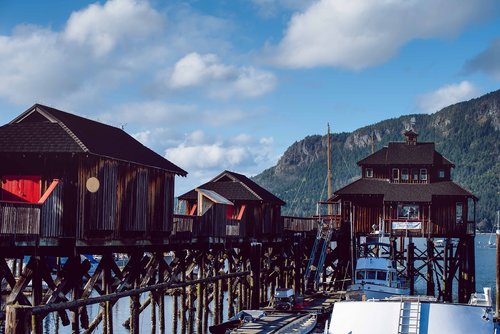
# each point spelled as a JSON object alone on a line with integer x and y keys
{"x": 65, "y": 177}
{"x": 238, "y": 207}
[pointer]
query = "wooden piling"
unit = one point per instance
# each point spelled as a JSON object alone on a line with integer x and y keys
{"x": 430, "y": 269}
{"x": 36, "y": 286}
{"x": 497, "y": 299}
{"x": 18, "y": 319}
{"x": 161, "y": 294}
{"x": 230, "y": 296}
{"x": 199, "y": 296}
{"x": 182, "y": 312}
{"x": 175, "y": 311}
{"x": 255, "y": 258}
{"x": 410, "y": 265}
{"x": 153, "y": 312}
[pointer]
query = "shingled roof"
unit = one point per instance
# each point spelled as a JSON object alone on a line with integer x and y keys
{"x": 400, "y": 153}
{"x": 44, "y": 129}
{"x": 402, "y": 192}
{"x": 235, "y": 187}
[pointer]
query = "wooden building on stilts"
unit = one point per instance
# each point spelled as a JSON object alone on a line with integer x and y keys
{"x": 406, "y": 192}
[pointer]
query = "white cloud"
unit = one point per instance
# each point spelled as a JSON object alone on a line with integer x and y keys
{"x": 103, "y": 27}
{"x": 220, "y": 80}
{"x": 356, "y": 34}
{"x": 202, "y": 153}
{"x": 447, "y": 95}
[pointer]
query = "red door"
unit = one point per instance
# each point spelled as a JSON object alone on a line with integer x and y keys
{"x": 21, "y": 188}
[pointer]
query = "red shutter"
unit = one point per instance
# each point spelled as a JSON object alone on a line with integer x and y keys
{"x": 21, "y": 188}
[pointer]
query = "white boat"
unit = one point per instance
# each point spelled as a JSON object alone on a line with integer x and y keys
{"x": 410, "y": 314}
{"x": 375, "y": 278}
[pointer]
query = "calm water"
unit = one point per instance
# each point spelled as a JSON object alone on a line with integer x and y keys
{"x": 485, "y": 277}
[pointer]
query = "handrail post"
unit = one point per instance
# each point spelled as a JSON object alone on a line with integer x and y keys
{"x": 18, "y": 319}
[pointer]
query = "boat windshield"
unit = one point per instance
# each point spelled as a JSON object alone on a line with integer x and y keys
{"x": 382, "y": 275}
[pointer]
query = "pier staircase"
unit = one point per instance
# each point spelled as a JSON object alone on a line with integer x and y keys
{"x": 318, "y": 254}
{"x": 409, "y": 317}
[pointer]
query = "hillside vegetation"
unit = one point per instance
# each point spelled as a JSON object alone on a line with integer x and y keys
{"x": 467, "y": 133}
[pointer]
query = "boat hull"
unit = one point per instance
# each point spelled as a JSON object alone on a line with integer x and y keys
{"x": 367, "y": 291}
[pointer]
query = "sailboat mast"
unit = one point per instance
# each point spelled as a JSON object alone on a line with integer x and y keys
{"x": 329, "y": 172}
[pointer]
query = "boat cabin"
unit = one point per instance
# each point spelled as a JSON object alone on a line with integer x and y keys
{"x": 376, "y": 271}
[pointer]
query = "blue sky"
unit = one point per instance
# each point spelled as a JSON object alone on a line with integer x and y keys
{"x": 230, "y": 84}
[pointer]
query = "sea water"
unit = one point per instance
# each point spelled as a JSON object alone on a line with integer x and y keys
{"x": 485, "y": 277}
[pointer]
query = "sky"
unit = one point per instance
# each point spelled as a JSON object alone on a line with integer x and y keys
{"x": 231, "y": 84}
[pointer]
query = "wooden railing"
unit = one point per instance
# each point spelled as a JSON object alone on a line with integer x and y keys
{"x": 183, "y": 223}
{"x": 43, "y": 218}
{"x": 305, "y": 224}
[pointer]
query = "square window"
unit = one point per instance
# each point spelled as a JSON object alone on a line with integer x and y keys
{"x": 369, "y": 172}
{"x": 441, "y": 173}
{"x": 408, "y": 211}
{"x": 404, "y": 174}
{"x": 423, "y": 174}
{"x": 459, "y": 213}
{"x": 414, "y": 173}
{"x": 395, "y": 174}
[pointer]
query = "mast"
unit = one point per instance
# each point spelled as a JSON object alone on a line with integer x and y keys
{"x": 329, "y": 172}
{"x": 373, "y": 142}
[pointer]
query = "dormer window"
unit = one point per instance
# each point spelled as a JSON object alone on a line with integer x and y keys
{"x": 441, "y": 174}
{"x": 423, "y": 174}
{"x": 369, "y": 172}
{"x": 395, "y": 174}
{"x": 404, "y": 175}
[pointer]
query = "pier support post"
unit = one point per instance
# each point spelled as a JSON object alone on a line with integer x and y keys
{"x": 297, "y": 251}
{"x": 255, "y": 258}
{"x": 411, "y": 266}
{"x": 199, "y": 296}
{"x": 175, "y": 312}
{"x": 18, "y": 319}
{"x": 230, "y": 296}
{"x": 497, "y": 298}
{"x": 430, "y": 269}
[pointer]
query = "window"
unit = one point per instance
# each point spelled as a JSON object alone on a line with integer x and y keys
{"x": 408, "y": 211}
{"x": 360, "y": 274}
{"x": 395, "y": 174}
{"x": 381, "y": 275}
{"x": 414, "y": 173}
{"x": 370, "y": 274}
{"x": 369, "y": 172}
{"x": 441, "y": 174}
{"x": 404, "y": 174}
{"x": 459, "y": 212}
{"x": 423, "y": 174}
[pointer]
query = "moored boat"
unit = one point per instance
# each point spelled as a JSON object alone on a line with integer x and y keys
{"x": 375, "y": 278}
{"x": 410, "y": 314}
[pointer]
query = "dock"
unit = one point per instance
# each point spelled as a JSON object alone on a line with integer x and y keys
{"x": 269, "y": 323}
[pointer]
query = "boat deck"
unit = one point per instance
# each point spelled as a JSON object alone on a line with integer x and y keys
{"x": 269, "y": 323}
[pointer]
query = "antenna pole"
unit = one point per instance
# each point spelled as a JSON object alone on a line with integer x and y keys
{"x": 373, "y": 142}
{"x": 329, "y": 173}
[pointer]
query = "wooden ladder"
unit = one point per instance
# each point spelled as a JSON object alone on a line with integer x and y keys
{"x": 409, "y": 317}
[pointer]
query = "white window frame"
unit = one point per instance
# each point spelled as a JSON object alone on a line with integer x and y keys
{"x": 405, "y": 176}
{"x": 369, "y": 172}
{"x": 459, "y": 212}
{"x": 423, "y": 174}
{"x": 441, "y": 173}
{"x": 397, "y": 176}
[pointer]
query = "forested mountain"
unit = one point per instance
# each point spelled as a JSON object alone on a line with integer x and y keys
{"x": 467, "y": 133}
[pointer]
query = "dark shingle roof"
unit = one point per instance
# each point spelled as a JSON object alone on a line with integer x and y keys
{"x": 45, "y": 129}
{"x": 403, "y": 192}
{"x": 234, "y": 186}
{"x": 398, "y": 153}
